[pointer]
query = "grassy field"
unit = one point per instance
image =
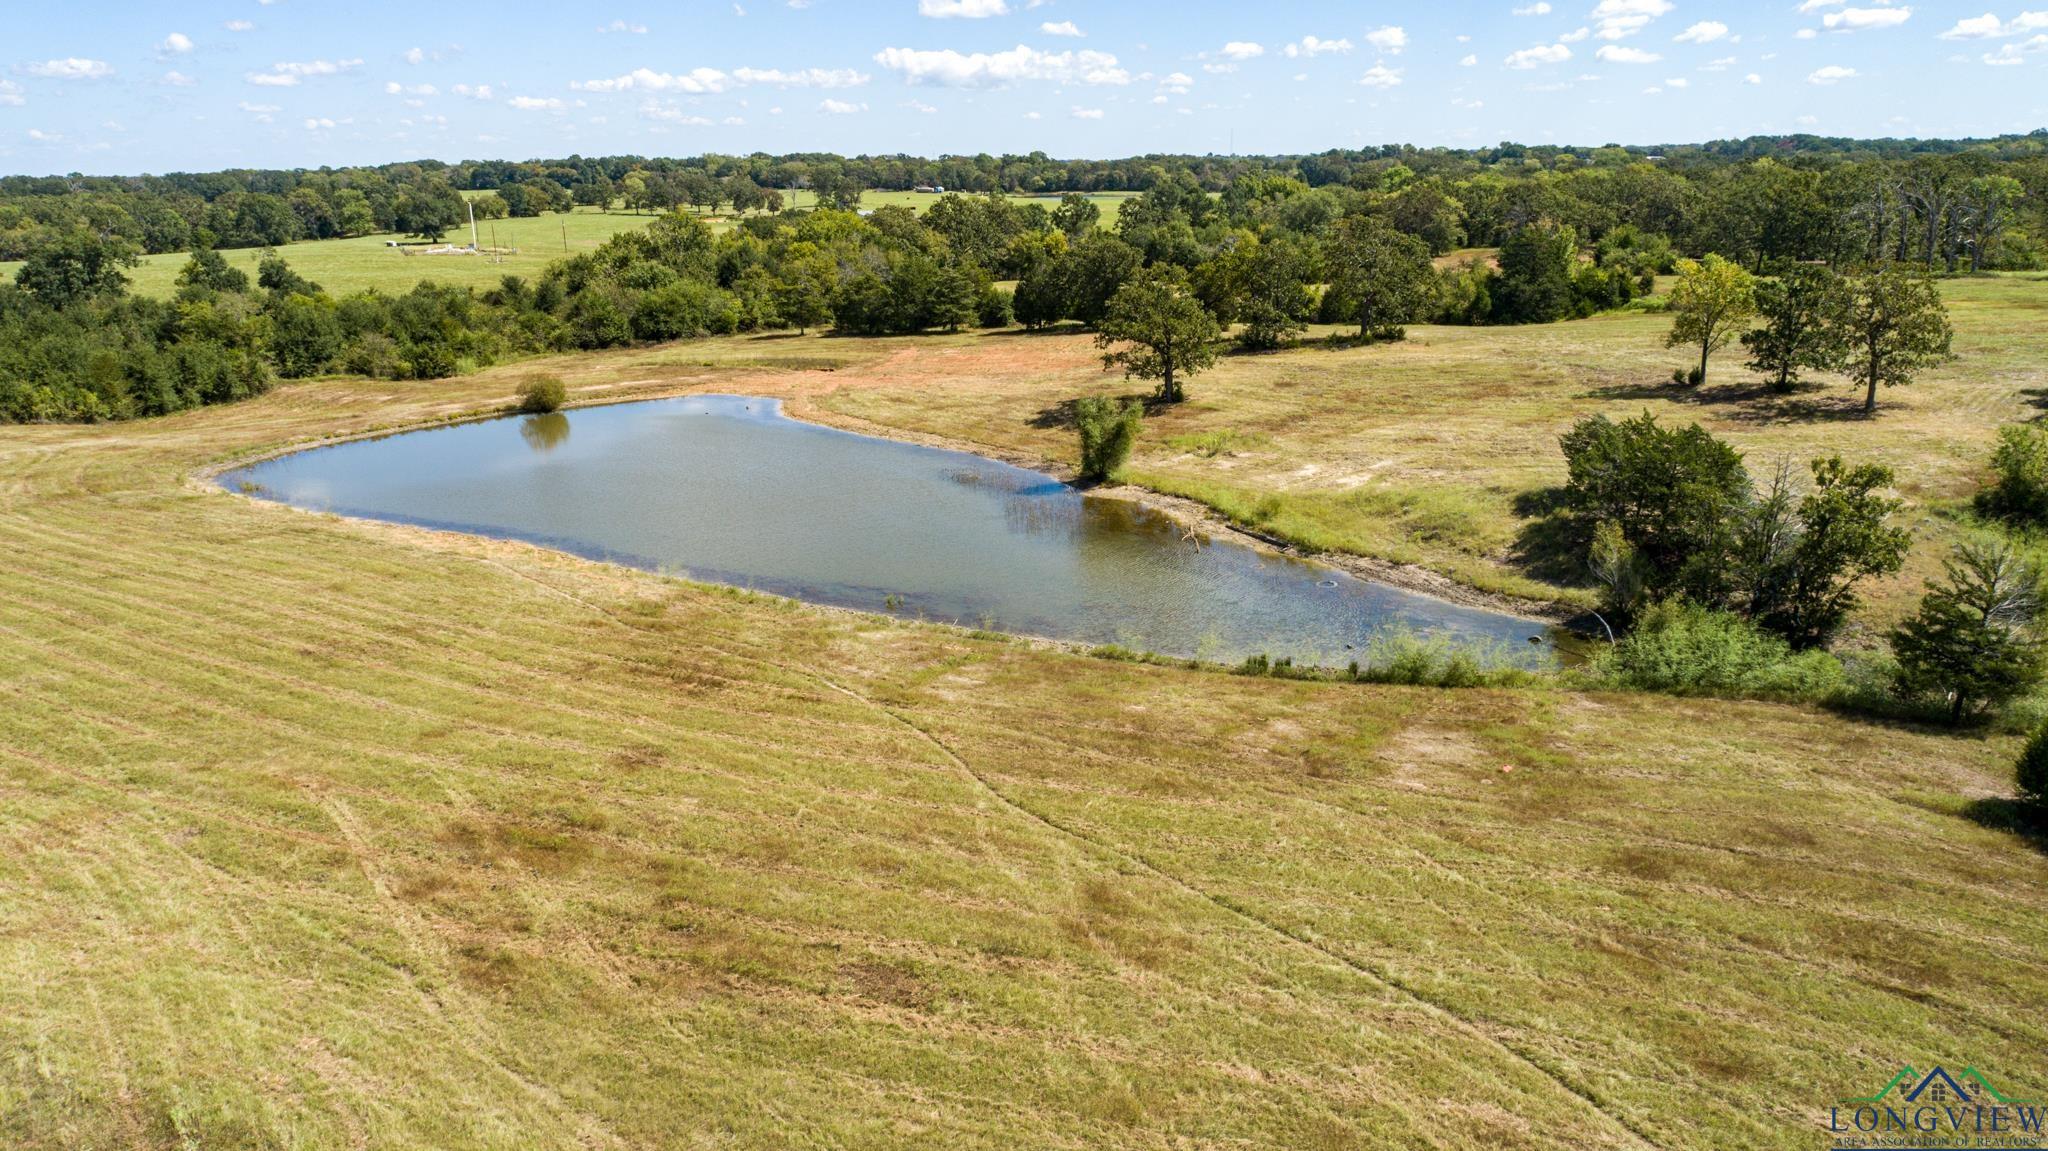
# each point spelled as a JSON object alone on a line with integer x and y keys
{"x": 333, "y": 834}
{"x": 353, "y": 265}
{"x": 1438, "y": 450}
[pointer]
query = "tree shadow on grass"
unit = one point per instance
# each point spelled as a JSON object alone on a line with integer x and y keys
{"x": 1752, "y": 402}
{"x": 1061, "y": 415}
{"x": 1549, "y": 545}
{"x": 2011, "y": 816}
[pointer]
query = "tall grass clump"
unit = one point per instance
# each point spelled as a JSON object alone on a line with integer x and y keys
{"x": 1688, "y": 649}
{"x": 1108, "y": 429}
{"x": 542, "y": 394}
{"x": 1403, "y": 657}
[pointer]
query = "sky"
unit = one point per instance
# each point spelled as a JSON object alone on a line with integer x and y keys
{"x": 121, "y": 88}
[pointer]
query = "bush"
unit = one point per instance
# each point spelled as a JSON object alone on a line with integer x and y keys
{"x": 542, "y": 394}
{"x": 1683, "y": 647}
{"x": 2030, "y": 776}
{"x": 1108, "y": 429}
{"x": 1402, "y": 657}
{"x": 2019, "y": 493}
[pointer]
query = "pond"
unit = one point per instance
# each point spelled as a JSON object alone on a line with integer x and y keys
{"x": 727, "y": 489}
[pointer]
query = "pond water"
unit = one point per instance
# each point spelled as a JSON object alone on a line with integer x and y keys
{"x": 727, "y": 489}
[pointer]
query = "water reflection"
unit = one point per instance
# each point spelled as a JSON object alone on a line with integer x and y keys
{"x": 727, "y": 489}
{"x": 545, "y": 432}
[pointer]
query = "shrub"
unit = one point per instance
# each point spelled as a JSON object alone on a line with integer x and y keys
{"x": 1683, "y": 647}
{"x": 1108, "y": 429}
{"x": 992, "y": 308}
{"x": 2030, "y": 776}
{"x": 2019, "y": 492}
{"x": 1402, "y": 657}
{"x": 542, "y": 394}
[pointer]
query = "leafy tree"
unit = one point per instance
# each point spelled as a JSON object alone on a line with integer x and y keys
{"x": 1804, "y": 588}
{"x": 207, "y": 274}
{"x": 76, "y": 266}
{"x": 429, "y": 209}
{"x": 1973, "y": 641}
{"x": 1076, "y": 216}
{"x": 1803, "y": 310}
{"x": 1094, "y": 270}
{"x": 1712, "y": 298}
{"x": 1385, "y": 276}
{"x": 1895, "y": 326}
{"x": 1675, "y": 494}
{"x": 305, "y": 336}
{"x": 1108, "y": 428}
{"x": 1534, "y": 284}
{"x": 1164, "y": 332}
{"x": 276, "y": 276}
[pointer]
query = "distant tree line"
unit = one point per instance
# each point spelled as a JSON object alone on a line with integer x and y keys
{"x": 1261, "y": 247}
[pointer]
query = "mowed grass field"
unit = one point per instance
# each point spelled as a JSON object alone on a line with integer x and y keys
{"x": 323, "y": 833}
{"x": 364, "y": 262}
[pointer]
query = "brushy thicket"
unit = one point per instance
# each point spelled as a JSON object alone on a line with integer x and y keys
{"x": 2030, "y": 776}
{"x": 1108, "y": 429}
{"x": 1685, "y": 648}
{"x": 542, "y": 394}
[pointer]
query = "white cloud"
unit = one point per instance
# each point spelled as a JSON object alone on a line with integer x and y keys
{"x": 42, "y": 137}
{"x": 1177, "y": 83}
{"x": 1614, "y": 19}
{"x": 1720, "y": 65}
{"x": 238, "y": 26}
{"x": 1468, "y": 61}
{"x": 2010, "y": 54}
{"x": 1805, "y": 34}
{"x": 287, "y": 74}
{"x": 1810, "y": 6}
{"x": 708, "y": 80}
{"x": 394, "y": 88}
{"x": 536, "y": 103}
{"x": 72, "y": 68}
{"x": 840, "y": 107}
{"x": 1031, "y": 116}
{"x": 962, "y": 9}
{"x": 950, "y": 69}
{"x": 920, "y": 107}
{"x": 1830, "y": 74}
{"x": 1851, "y": 19}
{"x": 1063, "y": 28}
{"x": 1080, "y": 113}
{"x": 414, "y": 56}
{"x": 1315, "y": 46}
{"x": 478, "y": 92}
{"x": 10, "y": 94}
{"x": 1989, "y": 26}
{"x": 1752, "y": 78}
{"x": 177, "y": 79}
{"x": 670, "y": 114}
{"x": 175, "y": 44}
{"x": 1616, "y": 54}
{"x": 1539, "y": 8}
{"x": 1704, "y": 32}
{"x": 1243, "y": 50}
{"x": 622, "y": 26}
{"x": 1389, "y": 39}
{"x": 1540, "y": 54}
{"x": 1678, "y": 83}
{"x": 1381, "y": 76}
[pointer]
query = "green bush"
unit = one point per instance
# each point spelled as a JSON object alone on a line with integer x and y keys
{"x": 542, "y": 394}
{"x": 2018, "y": 493}
{"x": 1683, "y": 647}
{"x": 1108, "y": 429}
{"x": 1402, "y": 657}
{"x": 2030, "y": 777}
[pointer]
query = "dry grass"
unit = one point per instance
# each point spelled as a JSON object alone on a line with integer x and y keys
{"x": 329, "y": 834}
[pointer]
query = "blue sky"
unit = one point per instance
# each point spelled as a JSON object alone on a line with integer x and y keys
{"x": 122, "y": 88}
